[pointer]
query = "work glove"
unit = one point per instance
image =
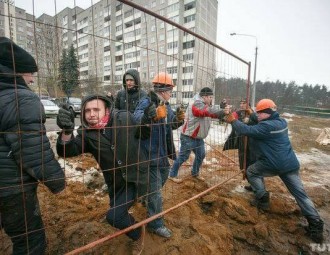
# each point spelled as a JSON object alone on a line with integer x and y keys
{"x": 161, "y": 112}
{"x": 65, "y": 120}
{"x": 248, "y": 111}
{"x": 230, "y": 118}
{"x": 180, "y": 114}
{"x": 149, "y": 113}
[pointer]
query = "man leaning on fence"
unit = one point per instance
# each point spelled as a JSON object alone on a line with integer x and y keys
{"x": 26, "y": 157}
{"x": 275, "y": 157}
{"x": 157, "y": 120}
{"x": 108, "y": 135}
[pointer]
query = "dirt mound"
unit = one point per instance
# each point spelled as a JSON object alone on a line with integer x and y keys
{"x": 221, "y": 222}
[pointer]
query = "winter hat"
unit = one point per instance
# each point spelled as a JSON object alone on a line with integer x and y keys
{"x": 129, "y": 77}
{"x": 206, "y": 91}
{"x": 15, "y": 57}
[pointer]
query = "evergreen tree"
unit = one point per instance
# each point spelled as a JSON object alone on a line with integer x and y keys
{"x": 69, "y": 71}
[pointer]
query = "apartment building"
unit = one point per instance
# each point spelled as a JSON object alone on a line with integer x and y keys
{"x": 111, "y": 37}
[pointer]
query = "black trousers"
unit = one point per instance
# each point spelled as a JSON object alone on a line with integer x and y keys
{"x": 22, "y": 222}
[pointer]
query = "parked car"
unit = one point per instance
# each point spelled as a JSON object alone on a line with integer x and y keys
{"x": 51, "y": 109}
{"x": 73, "y": 103}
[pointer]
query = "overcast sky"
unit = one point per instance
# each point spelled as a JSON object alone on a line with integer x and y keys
{"x": 293, "y": 35}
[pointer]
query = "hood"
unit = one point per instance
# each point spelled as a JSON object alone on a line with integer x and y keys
{"x": 198, "y": 97}
{"x": 90, "y": 98}
{"x": 7, "y": 76}
{"x": 135, "y": 75}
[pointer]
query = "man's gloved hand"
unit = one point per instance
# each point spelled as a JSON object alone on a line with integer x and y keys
{"x": 248, "y": 111}
{"x": 230, "y": 118}
{"x": 161, "y": 111}
{"x": 149, "y": 114}
{"x": 180, "y": 114}
{"x": 65, "y": 120}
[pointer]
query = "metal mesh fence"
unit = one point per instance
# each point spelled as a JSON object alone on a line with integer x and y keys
{"x": 108, "y": 38}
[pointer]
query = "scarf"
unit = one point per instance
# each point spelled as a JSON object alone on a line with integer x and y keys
{"x": 103, "y": 121}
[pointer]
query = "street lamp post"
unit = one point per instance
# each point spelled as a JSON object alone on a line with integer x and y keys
{"x": 253, "y": 92}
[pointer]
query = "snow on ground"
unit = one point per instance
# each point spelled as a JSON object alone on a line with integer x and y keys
{"x": 317, "y": 164}
{"x": 72, "y": 174}
{"x": 218, "y": 135}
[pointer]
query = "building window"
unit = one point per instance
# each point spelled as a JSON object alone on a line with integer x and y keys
{"x": 188, "y": 94}
{"x": 172, "y": 70}
{"x": 189, "y": 56}
{"x": 189, "y": 6}
{"x": 189, "y": 18}
{"x": 187, "y": 82}
{"x": 188, "y": 69}
{"x": 172, "y": 45}
{"x": 190, "y": 44}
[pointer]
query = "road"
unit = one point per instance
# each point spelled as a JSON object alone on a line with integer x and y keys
{"x": 51, "y": 124}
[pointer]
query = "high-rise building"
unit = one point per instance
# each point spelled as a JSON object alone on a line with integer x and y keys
{"x": 111, "y": 37}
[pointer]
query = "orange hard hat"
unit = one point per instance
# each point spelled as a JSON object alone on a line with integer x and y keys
{"x": 265, "y": 104}
{"x": 163, "y": 78}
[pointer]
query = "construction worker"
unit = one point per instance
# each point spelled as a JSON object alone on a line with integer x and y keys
{"x": 158, "y": 119}
{"x": 275, "y": 157}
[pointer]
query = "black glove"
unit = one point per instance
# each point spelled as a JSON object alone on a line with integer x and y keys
{"x": 180, "y": 114}
{"x": 65, "y": 120}
{"x": 149, "y": 113}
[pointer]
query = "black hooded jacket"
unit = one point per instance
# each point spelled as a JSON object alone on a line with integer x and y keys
{"x": 115, "y": 148}
{"x": 26, "y": 157}
{"x": 128, "y": 99}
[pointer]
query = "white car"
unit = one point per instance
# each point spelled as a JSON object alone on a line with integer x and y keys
{"x": 51, "y": 109}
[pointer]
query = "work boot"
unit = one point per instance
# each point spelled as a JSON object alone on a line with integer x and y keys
{"x": 248, "y": 187}
{"x": 261, "y": 203}
{"x": 314, "y": 230}
{"x": 137, "y": 246}
{"x": 175, "y": 179}
{"x": 198, "y": 177}
{"x": 162, "y": 231}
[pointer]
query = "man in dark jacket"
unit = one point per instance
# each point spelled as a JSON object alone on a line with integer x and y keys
{"x": 275, "y": 157}
{"x": 26, "y": 157}
{"x": 155, "y": 112}
{"x": 235, "y": 141}
{"x": 129, "y": 96}
{"x": 109, "y": 136}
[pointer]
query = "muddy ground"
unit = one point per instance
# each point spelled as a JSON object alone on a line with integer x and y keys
{"x": 221, "y": 222}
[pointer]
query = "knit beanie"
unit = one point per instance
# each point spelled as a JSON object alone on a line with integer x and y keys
{"x": 15, "y": 57}
{"x": 206, "y": 91}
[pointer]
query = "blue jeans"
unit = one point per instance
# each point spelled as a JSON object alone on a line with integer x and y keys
{"x": 21, "y": 220}
{"x": 256, "y": 173}
{"x": 157, "y": 179}
{"x": 189, "y": 144}
{"x": 120, "y": 201}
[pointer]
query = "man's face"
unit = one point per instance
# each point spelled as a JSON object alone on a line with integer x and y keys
{"x": 242, "y": 105}
{"x": 263, "y": 115}
{"x": 208, "y": 100}
{"x": 94, "y": 111}
{"x": 130, "y": 83}
{"x": 166, "y": 95}
{"x": 28, "y": 78}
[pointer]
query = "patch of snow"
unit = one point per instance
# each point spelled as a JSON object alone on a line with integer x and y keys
{"x": 72, "y": 174}
{"x": 289, "y": 115}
